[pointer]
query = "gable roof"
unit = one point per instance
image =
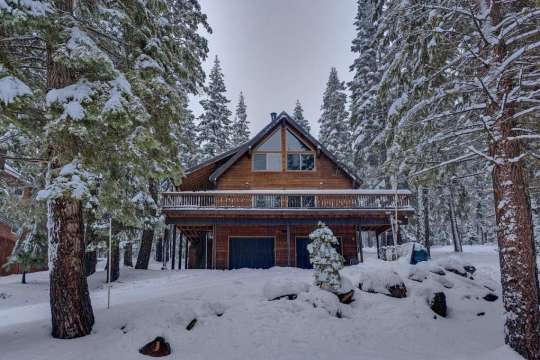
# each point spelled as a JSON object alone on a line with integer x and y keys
{"x": 283, "y": 118}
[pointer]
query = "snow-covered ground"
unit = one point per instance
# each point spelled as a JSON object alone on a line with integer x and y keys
{"x": 151, "y": 303}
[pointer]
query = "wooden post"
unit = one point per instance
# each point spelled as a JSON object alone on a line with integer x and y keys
{"x": 214, "y": 251}
{"x": 377, "y": 241}
{"x": 180, "y": 241}
{"x": 206, "y": 249}
{"x": 288, "y": 245}
{"x": 173, "y": 249}
{"x": 359, "y": 242}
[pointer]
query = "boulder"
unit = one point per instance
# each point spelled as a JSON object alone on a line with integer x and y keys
{"x": 279, "y": 288}
{"x": 457, "y": 265}
{"x": 437, "y": 303}
{"x": 156, "y": 348}
{"x": 444, "y": 281}
{"x": 322, "y": 299}
{"x": 387, "y": 282}
{"x": 490, "y": 297}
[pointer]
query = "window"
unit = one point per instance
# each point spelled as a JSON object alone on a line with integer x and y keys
{"x": 267, "y": 201}
{"x": 299, "y": 156}
{"x": 267, "y": 157}
{"x": 302, "y": 162}
{"x": 301, "y": 201}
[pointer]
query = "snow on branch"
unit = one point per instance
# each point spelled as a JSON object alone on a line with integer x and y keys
{"x": 466, "y": 157}
{"x": 71, "y": 181}
{"x": 12, "y": 88}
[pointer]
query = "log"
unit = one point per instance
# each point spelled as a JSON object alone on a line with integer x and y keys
{"x": 156, "y": 348}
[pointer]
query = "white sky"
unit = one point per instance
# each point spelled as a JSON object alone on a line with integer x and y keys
{"x": 279, "y": 50}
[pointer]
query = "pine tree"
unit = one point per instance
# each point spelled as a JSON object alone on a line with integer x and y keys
{"x": 240, "y": 126}
{"x": 367, "y": 112}
{"x": 298, "y": 116}
{"x": 325, "y": 259}
{"x": 90, "y": 98}
{"x": 30, "y": 250}
{"x": 214, "y": 123}
{"x": 334, "y": 131}
{"x": 470, "y": 104}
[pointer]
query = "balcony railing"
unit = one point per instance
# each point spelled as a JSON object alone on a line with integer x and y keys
{"x": 288, "y": 199}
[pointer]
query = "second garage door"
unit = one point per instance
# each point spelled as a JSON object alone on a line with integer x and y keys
{"x": 251, "y": 252}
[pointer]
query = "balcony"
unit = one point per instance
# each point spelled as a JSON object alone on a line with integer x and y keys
{"x": 289, "y": 200}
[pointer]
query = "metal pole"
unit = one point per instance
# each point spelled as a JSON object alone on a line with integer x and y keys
{"x": 110, "y": 266}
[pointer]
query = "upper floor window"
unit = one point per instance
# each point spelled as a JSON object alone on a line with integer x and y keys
{"x": 267, "y": 156}
{"x": 299, "y": 156}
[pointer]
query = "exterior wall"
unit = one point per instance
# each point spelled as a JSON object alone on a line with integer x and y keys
{"x": 326, "y": 174}
{"x": 224, "y": 232}
{"x": 7, "y": 242}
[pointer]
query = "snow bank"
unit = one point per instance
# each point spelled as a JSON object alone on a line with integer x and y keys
{"x": 276, "y": 288}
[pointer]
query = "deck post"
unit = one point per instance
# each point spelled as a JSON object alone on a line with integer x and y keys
{"x": 359, "y": 242}
{"x": 206, "y": 249}
{"x": 288, "y": 245}
{"x": 173, "y": 247}
{"x": 214, "y": 246}
{"x": 377, "y": 241}
{"x": 180, "y": 241}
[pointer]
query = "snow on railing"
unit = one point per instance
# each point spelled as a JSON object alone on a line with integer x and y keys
{"x": 288, "y": 199}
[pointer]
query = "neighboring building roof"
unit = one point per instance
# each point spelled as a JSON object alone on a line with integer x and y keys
{"x": 236, "y": 153}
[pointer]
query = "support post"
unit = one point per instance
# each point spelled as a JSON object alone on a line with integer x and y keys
{"x": 214, "y": 252}
{"x": 378, "y": 246}
{"x": 173, "y": 247}
{"x": 288, "y": 245}
{"x": 206, "y": 249}
{"x": 359, "y": 242}
{"x": 180, "y": 241}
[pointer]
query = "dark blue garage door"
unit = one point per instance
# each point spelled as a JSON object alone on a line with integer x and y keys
{"x": 251, "y": 252}
{"x": 302, "y": 254}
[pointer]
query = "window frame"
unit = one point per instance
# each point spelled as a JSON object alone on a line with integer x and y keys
{"x": 265, "y": 152}
{"x": 299, "y": 152}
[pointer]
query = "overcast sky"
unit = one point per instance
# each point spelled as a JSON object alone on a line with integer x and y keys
{"x": 277, "y": 51}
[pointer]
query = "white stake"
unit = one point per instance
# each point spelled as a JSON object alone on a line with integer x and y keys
{"x": 109, "y": 266}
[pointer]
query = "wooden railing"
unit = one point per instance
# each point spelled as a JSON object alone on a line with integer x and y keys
{"x": 288, "y": 199}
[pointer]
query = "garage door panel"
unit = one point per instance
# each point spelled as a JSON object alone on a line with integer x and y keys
{"x": 251, "y": 252}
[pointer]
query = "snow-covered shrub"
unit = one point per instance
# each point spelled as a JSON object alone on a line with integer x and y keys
{"x": 385, "y": 281}
{"x": 325, "y": 259}
{"x": 277, "y": 288}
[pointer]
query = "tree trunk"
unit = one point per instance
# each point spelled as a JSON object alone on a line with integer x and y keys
{"x": 115, "y": 269}
{"x": 23, "y": 280}
{"x": 71, "y": 308}
{"x": 159, "y": 250}
{"x": 90, "y": 262}
{"x": 143, "y": 258}
{"x": 128, "y": 254}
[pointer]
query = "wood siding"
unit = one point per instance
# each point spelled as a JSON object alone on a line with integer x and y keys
{"x": 282, "y": 257}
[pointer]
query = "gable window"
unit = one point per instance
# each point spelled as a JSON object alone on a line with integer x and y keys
{"x": 299, "y": 156}
{"x": 267, "y": 157}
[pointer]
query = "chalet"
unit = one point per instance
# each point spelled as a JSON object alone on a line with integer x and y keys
{"x": 254, "y": 206}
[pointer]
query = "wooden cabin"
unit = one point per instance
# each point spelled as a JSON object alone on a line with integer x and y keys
{"x": 254, "y": 206}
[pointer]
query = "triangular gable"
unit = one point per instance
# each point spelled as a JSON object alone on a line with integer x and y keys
{"x": 285, "y": 119}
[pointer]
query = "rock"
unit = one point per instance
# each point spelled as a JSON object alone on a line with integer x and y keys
{"x": 191, "y": 324}
{"x": 279, "y": 288}
{"x": 346, "y": 298}
{"x": 322, "y": 299}
{"x": 419, "y": 272}
{"x": 437, "y": 303}
{"x": 481, "y": 314}
{"x": 398, "y": 291}
{"x": 437, "y": 270}
{"x": 387, "y": 282}
{"x": 469, "y": 268}
{"x": 490, "y": 297}
{"x": 457, "y": 265}
{"x": 156, "y": 348}
{"x": 444, "y": 281}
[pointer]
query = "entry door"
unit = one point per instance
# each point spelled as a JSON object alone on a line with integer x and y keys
{"x": 302, "y": 253}
{"x": 251, "y": 252}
